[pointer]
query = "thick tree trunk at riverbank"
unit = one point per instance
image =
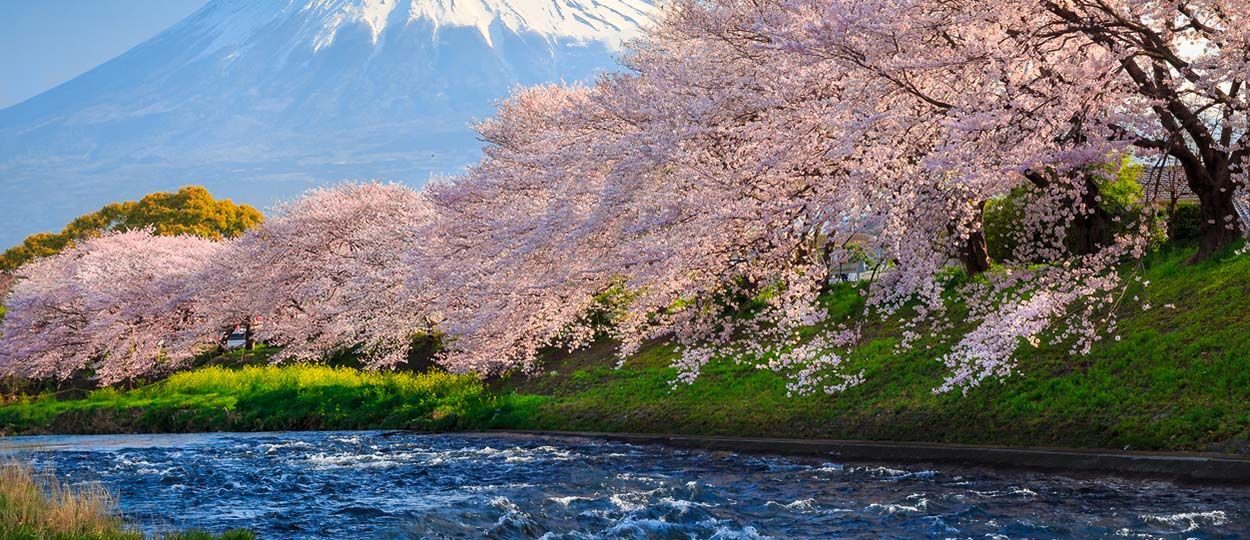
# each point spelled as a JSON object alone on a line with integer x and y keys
{"x": 975, "y": 253}
{"x": 1218, "y": 224}
{"x": 1091, "y": 231}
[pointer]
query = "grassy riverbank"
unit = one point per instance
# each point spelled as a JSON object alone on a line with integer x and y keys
{"x": 1177, "y": 379}
{"x": 271, "y": 398}
{"x": 34, "y": 507}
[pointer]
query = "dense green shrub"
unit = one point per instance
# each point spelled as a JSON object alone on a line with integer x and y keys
{"x": 1185, "y": 222}
{"x": 1002, "y": 216}
{"x": 1121, "y": 197}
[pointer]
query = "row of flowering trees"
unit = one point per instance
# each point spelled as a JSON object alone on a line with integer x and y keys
{"x": 320, "y": 277}
{"x": 751, "y": 148}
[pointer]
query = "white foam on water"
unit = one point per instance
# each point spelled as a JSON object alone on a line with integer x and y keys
{"x": 361, "y": 461}
{"x": 921, "y": 504}
{"x": 566, "y": 501}
{"x": 631, "y": 501}
{"x": 724, "y": 532}
{"x": 155, "y": 471}
{"x": 512, "y": 515}
{"x": 1191, "y": 521}
{"x": 646, "y": 527}
{"x": 496, "y": 487}
{"x": 1012, "y": 492}
{"x": 894, "y": 474}
{"x": 681, "y": 505}
{"x": 807, "y": 506}
{"x": 1129, "y": 533}
{"x": 640, "y": 477}
{"x": 289, "y": 445}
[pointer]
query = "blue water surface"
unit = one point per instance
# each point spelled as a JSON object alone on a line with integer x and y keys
{"x": 388, "y": 485}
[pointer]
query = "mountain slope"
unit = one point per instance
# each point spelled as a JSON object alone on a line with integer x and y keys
{"x": 260, "y": 99}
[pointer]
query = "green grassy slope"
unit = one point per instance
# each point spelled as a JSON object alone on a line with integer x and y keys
{"x": 1178, "y": 379}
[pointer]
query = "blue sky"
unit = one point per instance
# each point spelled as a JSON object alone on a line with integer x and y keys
{"x": 46, "y": 42}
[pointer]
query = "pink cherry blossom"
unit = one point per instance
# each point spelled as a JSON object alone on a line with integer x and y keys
{"x": 324, "y": 274}
{"x": 111, "y": 304}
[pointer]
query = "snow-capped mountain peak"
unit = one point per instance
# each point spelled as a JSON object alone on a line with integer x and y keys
{"x": 236, "y": 22}
{"x": 373, "y": 13}
{"x": 260, "y": 99}
{"x": 584, "y": 20}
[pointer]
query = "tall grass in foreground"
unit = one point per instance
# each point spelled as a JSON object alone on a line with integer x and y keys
{"x": 39, "y": 507}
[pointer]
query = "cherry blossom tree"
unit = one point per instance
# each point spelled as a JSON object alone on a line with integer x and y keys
{"x": 1050, "y": 87}
{"x": 324, "y": 274}
{"x": 1187, "y": 65}
{"x": 663, "y": 192}
{"x": 749, "y": 143}
{"x": 936, "y": 106}
{"x": 1047, "y": 91}
{"x": 508, "y": 256}
{"x": 111, "y": 305}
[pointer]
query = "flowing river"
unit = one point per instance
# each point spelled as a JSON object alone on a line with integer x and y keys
{"x": 380, "y": 485}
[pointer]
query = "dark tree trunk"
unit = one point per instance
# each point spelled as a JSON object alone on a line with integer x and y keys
{"x": 1185, "y": 106}
{"x": 1218, "y": 224}
{"x": 250, "y": 340}
{"x": 6, "y": 284}
{"x": 975, "y": 253}
{"x": 1091, "y": 231}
